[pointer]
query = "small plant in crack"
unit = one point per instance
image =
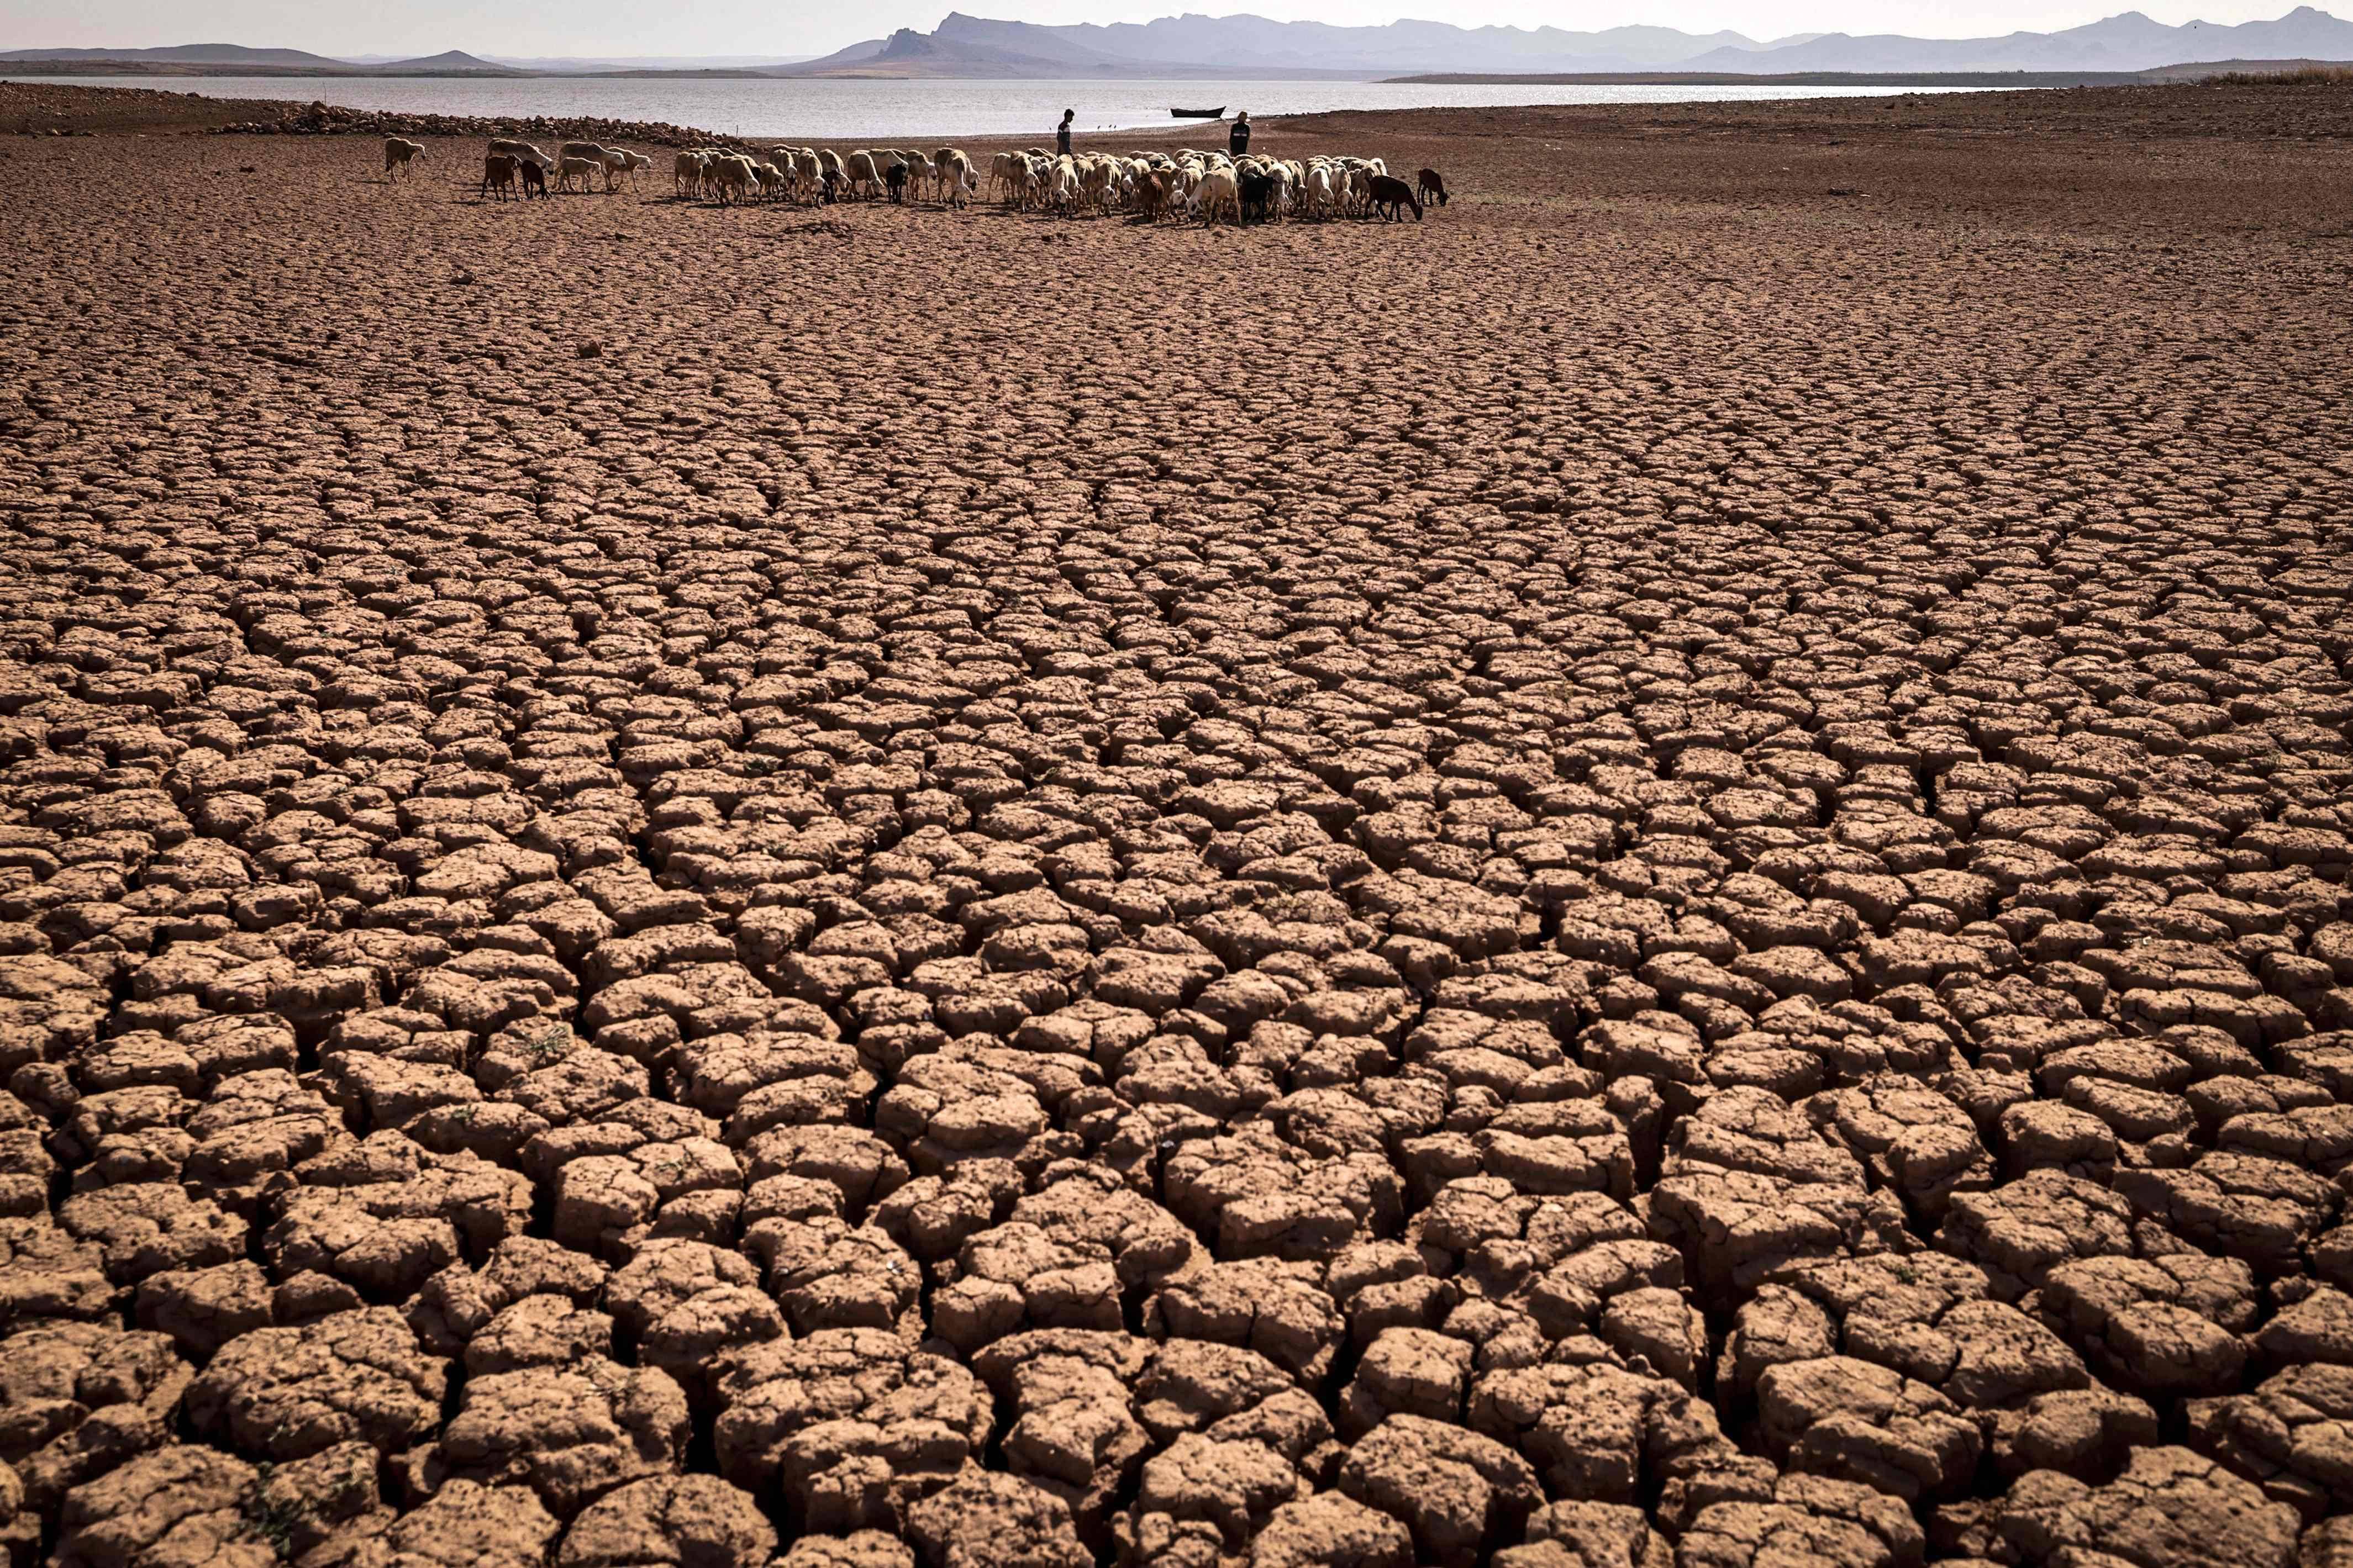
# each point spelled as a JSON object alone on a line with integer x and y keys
{"x": 272, "y": 1519}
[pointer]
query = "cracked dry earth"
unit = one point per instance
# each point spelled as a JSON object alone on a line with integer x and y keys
{"x": 1650, "y": 876}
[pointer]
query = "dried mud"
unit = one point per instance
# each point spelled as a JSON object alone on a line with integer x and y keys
{"x": 1652, "y": 874}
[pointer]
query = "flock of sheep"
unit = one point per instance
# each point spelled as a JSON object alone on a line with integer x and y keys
{"x": 1185, "y": 183}
{"x": 575, "y": 164}
{"x": 1152, "y": 184}
{"x": 811, "y": 175}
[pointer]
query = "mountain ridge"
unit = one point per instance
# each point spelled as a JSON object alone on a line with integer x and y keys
{"x": 2128, "y": 41}
{"x": 1193, "y": 45}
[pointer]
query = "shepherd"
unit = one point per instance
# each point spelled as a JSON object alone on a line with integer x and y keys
{"x": 1238, "y": 141}
{"x": 1062, "y": 132}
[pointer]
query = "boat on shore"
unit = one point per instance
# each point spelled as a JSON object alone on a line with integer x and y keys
{"x": 1216, "y": 114}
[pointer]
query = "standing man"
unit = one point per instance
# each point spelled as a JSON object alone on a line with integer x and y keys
{"x": 1237, "y": 142}
{"x": 1063, "y": 131}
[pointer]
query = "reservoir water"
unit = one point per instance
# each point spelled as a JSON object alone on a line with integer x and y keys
{"x": 835, "y": 110}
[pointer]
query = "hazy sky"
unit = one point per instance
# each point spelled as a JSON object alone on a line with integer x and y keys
{"x": 555, "y": 27}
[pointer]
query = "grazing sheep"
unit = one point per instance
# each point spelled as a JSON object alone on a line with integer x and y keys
{"x": 1062, "y": 186}
{"x": 865, "y": 177}
{"x": 608, "y": 161}
{"x": 1095, "y": 181}
{"x": 918, "y": 168}
{"x": 534, "y": 178}
{"x": 398, "y": 153}
{"x": 730, "y": 173}
{"x": 1149, "y": 183}
{"x": 524, "y": 152}
{"x": 499, "y": 175}
{"x": 1152, "y": 195}
{"x": 1322, "y": 196}
{"x": 1216, "y": 193}
{"x": 1255, "y": 194}
{"x": 953, "y": 173}
{"x": 1036, "y": 175}
{"x": 573, "y": 168}
{"x": 1429, "y": 187}
{"x": 788, "y": 165}
{"x": 1390, "y": 196}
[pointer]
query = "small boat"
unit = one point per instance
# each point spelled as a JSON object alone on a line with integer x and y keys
{"x": 1216, "y": 114}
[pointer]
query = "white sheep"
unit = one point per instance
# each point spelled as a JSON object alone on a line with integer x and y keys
{"x": 398, "y": 152}
{"x": 594, "y": 153}
{"x": 731, "y": 173}
{"x": 863, "y": 173}
{"x": 1062, "y": 192}
{"x": 1320, "y": 197}
{"x": 1216, "y": 193}
{"x": 524, "y": 152}
{"x": 953, "y": 171}
{"x": 575, "y": 168}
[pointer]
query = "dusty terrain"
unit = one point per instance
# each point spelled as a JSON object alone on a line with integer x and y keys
{"x": 46, "y": 108}
{"x": 1652, "y": 874}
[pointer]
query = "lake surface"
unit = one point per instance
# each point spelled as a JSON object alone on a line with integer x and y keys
{"x": 863, "y": 110}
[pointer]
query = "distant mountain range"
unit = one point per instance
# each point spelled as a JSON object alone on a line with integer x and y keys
{"x": 219, "y": 60}
{"x": 2127, "y": 42}
{"x": 1195, "y": 46}
{"x": 963, "y": 45}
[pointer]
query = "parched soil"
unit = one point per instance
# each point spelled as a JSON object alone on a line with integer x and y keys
{"x": 1653, "y": 873}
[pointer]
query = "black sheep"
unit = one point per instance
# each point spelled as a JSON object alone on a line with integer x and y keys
{"x": 1391, "y": 194}
{"x": 1256, "y": 191}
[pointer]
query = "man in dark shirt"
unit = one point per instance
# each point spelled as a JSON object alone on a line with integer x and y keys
{"x": 1238, "y": 141}
{"x": 1063, "y": 131}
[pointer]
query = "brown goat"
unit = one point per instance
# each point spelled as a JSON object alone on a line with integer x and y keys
{"x": 1429, "y": 187}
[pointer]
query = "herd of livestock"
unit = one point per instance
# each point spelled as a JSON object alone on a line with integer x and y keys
{"x": 1209, "y": 186}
